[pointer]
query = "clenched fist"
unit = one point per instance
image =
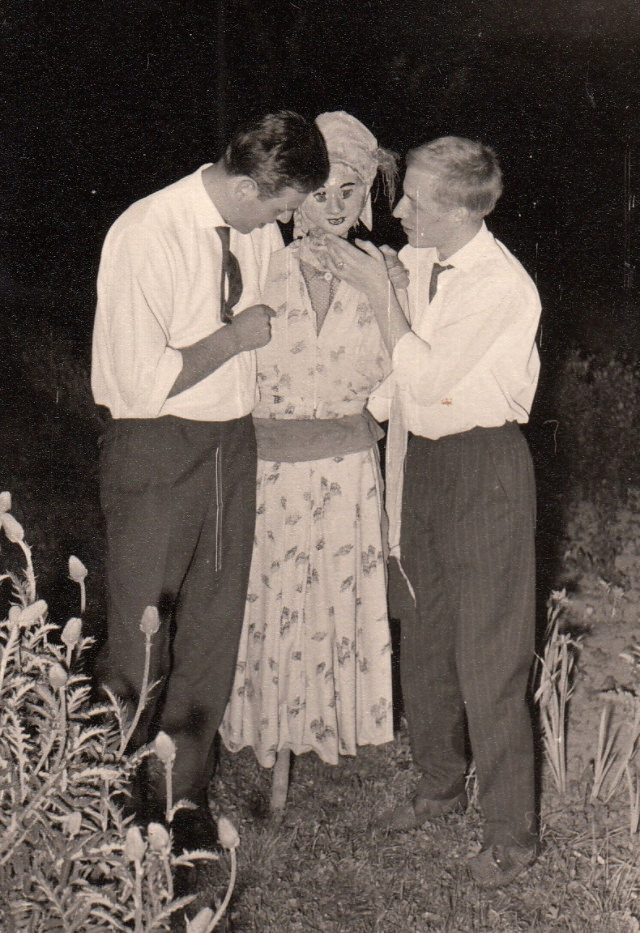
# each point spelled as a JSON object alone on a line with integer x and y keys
{"x": 252, "y": 327}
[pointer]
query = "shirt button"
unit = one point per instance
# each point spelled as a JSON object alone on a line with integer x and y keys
{"x": 327, "y": 276}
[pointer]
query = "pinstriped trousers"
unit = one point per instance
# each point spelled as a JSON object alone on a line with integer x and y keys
{"x": 179, "y": 501}
{"x": 468, "y": 521}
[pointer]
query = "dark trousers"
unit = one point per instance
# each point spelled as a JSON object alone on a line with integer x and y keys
{"x": 179, "y": 502}
{"x": 467, "y": 546}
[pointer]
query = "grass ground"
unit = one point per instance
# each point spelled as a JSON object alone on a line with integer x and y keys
{"x": 324, "y": 867}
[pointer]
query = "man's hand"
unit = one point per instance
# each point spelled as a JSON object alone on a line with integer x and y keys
{"x": 362, "y": 266}
{"x": 397, "y": 272}
{"x": 248, "y": 330}
{"x": 252, "y": 327}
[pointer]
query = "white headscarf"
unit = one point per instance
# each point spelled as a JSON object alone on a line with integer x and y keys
{"x": 350, "y": 142}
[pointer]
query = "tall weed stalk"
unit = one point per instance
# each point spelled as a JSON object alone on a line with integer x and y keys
{"x": 555, "y": 688}
{"x": 617, "y": 750}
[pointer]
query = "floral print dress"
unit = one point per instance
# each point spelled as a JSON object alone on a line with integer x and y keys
{"x": 314, "y": 662}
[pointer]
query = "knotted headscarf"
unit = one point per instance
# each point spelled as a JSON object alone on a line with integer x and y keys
{"x": 350, "y": 142}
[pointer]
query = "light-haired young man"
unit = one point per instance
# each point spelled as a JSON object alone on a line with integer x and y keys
{"x": 465, "y": 373}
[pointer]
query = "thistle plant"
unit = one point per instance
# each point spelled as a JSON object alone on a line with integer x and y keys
{"x": 70, "y": 860}
{"x": 15, "y": 533}
{"x": 149, "y": 625}
{"x": 165, "y": 749}
{"x": 206, "y": 920}
{"x": 555, "y": 688}
{"x": 78, "y": 573}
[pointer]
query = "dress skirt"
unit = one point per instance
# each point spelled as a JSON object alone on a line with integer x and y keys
{"x": 314, "y": 662}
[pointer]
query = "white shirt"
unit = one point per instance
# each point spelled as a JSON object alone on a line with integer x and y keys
{"x": 470, "y": 359}
{"x": 159, "y": 291}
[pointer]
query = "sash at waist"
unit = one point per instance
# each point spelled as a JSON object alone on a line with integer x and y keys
{"x": 291, "y": 440}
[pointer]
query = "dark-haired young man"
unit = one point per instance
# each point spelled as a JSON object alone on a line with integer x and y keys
{"x": 178, "y": 319}
{"x": 465, "y": 368}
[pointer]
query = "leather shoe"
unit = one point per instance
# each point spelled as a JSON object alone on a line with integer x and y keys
{"x": 418, "y": 811}
{"x": 194, "y": 829}
{"x": 204, "y": 882}
{"x": 498, "y": 865}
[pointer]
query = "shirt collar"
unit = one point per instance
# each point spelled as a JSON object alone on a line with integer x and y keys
{"x": 476, "y": 249}
{"x": 204, "y": 210}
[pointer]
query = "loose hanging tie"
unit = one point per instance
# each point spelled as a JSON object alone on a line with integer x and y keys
{"x": 433, "y": 282}
{"x": 230, "y": 277}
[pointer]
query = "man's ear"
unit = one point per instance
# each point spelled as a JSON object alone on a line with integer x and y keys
{"x": 245, "y": 188}
{"x": 462, "y": 215}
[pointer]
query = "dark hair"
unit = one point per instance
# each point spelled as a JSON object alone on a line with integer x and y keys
{"x": 467, "y": 173}
{"x": 279, "y": 150}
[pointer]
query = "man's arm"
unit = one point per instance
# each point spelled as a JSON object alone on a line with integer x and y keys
{"x": 132, "y": 356}
{"x": 133, "y": 367}
{"x": 496, "y": 311}
{"x": 248, "y": 330}
{"x": 500, "y": 321}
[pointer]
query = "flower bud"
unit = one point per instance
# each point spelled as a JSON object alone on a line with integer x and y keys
{"x": 72, "y": 822}
{"x": 164, "y": 747}
{"x": 77, "y": 570}
{"x": 57, "y": 675}
{"x": 227, "y": 834}
{"x": 5, "y": 502}
{"x": 201, "y": 921}
{"x": 14, "y": 614}
{"x": 12, "y": 527}
{"x": 158, "y": 837}
{"x": 32, "y": 612}
{"x": 71, "y": 632}
{"x": 134, "y": 845}
{"x": 150, "y": 621}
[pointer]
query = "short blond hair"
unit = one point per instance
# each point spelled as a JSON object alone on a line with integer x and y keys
{"x": 467, "y": 173}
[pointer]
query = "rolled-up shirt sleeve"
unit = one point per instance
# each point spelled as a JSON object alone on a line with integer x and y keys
{"x": 380, "y": 400}
{"x": 135, "y": 362}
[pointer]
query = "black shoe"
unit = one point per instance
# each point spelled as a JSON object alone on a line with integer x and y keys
{"x": 142, "y": 807}
{"x": 179, "y": 924}
{"x": 194, "y": 829}
{"x": 205, "y": 884}
{"x": 141, "y": 799}
{"x": 497, "y": 865}
{"x": 206, "y": 881}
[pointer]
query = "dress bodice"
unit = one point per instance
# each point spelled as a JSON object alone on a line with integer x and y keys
{"x": 306, "y": 374}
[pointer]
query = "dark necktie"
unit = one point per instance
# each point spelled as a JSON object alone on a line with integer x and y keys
{"x": 230, "y": 278}
{"x": 433, "y": 283}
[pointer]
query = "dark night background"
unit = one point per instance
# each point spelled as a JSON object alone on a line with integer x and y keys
{"x": 106, "y": 101}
